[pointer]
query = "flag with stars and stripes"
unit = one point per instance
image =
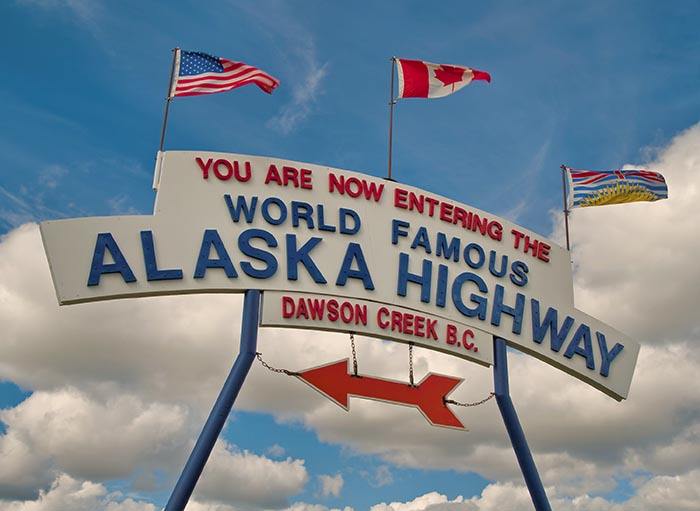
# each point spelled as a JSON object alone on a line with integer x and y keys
{"x": 593, "y": 188}
{"x": 198, "y": 73}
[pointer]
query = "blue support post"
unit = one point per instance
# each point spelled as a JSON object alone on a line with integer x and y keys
{"x": 515, "y": 431}
{"x": 222, "y": 408}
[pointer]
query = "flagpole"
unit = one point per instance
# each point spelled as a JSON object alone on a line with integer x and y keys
{"x": 167, "y": 100}
{"x": 156, "y": 171}
{"x": 391, "y": 112}
{"x": 566, "y": 206}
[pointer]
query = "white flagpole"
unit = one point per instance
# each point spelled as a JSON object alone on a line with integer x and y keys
{"x": 156, "y": 173}
{"x": 566, "y": 206}
{"x": 392, "y": 101}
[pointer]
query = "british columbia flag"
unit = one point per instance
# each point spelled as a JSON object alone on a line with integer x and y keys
{"x": 594, "y": 188}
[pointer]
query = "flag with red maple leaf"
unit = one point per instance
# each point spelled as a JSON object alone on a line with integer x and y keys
{"x": 419, "y": 79}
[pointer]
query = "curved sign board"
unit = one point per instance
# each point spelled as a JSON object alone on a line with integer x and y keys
{"x": 228, "y": 223}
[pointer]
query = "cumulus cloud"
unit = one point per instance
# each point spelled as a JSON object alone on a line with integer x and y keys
{"x": 248, "y": 479}
{"x": 330, "y": 485}
{"x": 635, "y": 263}
{"x": 90, "y": 368}
{"x": 67, "y": 432}
{"x": 77, "y": 495}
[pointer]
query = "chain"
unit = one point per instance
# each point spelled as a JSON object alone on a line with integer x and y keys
{"x": 477, "y": 403}
{"x": 273, "y": 369}
{"x": 410, "y": 364}
{"x": 354, "y": 353}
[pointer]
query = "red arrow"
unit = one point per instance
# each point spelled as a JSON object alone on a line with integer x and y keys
{"x": 334, "y": 382}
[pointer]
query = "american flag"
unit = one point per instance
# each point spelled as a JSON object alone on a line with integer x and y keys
{"x": 199, "y": 73}
{"x": 594, "y": 188}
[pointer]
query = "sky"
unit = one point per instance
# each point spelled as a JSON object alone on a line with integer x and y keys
{"x": 100, "y": 403}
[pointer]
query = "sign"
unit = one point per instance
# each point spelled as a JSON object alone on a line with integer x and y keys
{"x": 228, "y": 222}
{"x": 333, "y": 381}
{"x": 321, "y": 312}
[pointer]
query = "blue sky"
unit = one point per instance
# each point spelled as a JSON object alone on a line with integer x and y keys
{"x": 100, "y": 402}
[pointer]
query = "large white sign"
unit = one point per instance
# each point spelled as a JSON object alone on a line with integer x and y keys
{"x": 227, "y": 223}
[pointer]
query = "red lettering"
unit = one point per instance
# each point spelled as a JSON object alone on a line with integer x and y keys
{"x": 407, "y": 323}
{"x": 302, "y": 310}
{"x": 316, "y": 307}
{"x": 400, "y": 198}
{"x": 287, "y": 307}
{"x": 431, "y": 333}
{"x": 355, "y": 187}
{"x": 420, "y": 325}
{"x": 451, "y": 334}
{"x": 305, "y": 179}
{"x": 332, "y": 307}
{"x": 204, "y": 167}
{"x": 346, "y": 312}
{"x": 460, "y": 216}
{"x": 227, "y": 166}
{"x": 543, "y": 252}
{"x": 382, "y": 312}
{"x": 395, "y": 321}
{"x": 446, "y": 212}
{"x": 273, "y": 175}
{"x": 237, "y": 171}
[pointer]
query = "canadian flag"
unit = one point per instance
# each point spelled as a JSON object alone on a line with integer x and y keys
{"x": 419, "y": 79}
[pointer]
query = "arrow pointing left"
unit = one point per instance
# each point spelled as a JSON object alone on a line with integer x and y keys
{"x": 428, "y": 396}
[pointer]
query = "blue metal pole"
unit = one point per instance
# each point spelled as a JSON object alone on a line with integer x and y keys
{"x": 515, "y": 431}
{"x": 222, "y": 408}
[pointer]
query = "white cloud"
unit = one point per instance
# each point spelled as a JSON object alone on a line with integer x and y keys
{"x": 331, "y": 485}
{"x": 635, "y": 263}
{"x": 248, "y": 479}
{"x": 90, "y": 366}
{"x": 298, "y": 48}
{"x": 276, "y": 451}
{"x": 75, "y": 495}
{"x": 67, "y": 432}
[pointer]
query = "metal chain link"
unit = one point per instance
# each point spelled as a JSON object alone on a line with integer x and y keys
{"x": 354, "y": 353}
{"x": 477, "y": 403}
{"x": 410, "y": 364}
{"x": 274, "y": 369}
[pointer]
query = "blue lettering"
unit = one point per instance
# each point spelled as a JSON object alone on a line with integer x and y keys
{"x": 344, "y": 214}
{"x": 211, "y": 239}
{"x": 480, "y": 252}
{"x": 266, "y": 211}
{"x": 539, "y": 329}
{"x": 261, "y": 255}
{"x": 105, "y": 241}
{"x": 241, "y": 205}
{"x": 441, "y": 294}
{"x": 354, "y": 253}
{"x": 398, "y": 229}
{"x": 322, "y": 226}
{"x": 582, "y": 334}
{"x": 149, "y": 259}
{"x": 519, "y": 275}
{"x": 492, "y": 264}
{"x": 608, "y": 356}
{"x": 516, "y": 312}
{"x": 481, "y": 302}
{"x": 445, "y": 250}
{"x": 301, "y": 255}
{"x": 424, "y": 280}
{"x": 421, "y": 240}
{"x": 302, "y": 211}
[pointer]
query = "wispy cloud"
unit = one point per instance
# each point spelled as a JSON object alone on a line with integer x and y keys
{"x": 84, "y": 12}
{"x": 330, "y": 485}
{"x": 306, "y": 73}
{"x": 303, "y": 100}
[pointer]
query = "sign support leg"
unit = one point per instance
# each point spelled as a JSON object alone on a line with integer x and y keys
{"x": 220, "y": 412}
{"x": 515, "y": 431}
